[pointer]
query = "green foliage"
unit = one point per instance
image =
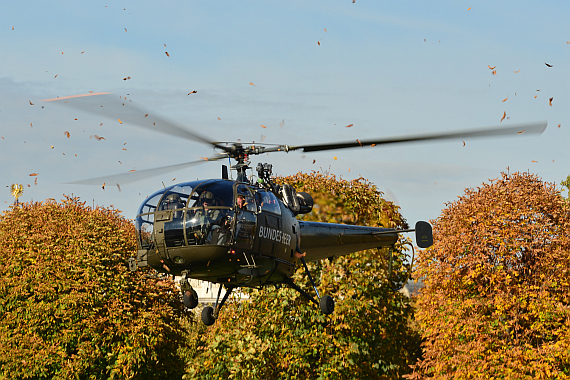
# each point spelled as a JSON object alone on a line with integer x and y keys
{"x": 69, "y": 306}
{"x": 278, "y": 334}
{"x": 496, "y": 302}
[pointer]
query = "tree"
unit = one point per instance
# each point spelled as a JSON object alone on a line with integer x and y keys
{"x": 278, "y": 334}
{"x": 69, "y": 306}
{"x": 566, "y": 184}
{"x": 496, "y": 302}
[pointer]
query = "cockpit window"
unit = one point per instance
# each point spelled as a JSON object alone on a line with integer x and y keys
{"x": 244, "y": 199}
{"x": 150, "y": 204}
{"x": 268, "y": 201}
{"x": 212, "y": 194}
{"x": 175, "y": 197}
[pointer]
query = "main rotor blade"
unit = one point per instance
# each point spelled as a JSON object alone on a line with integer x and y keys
{"x": 119, "y": 108}
{"x": 138, "y": 175}
{"x": 520, "y": 129}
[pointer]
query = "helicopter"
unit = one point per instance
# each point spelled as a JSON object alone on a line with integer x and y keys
{"x": 240, "y": 233}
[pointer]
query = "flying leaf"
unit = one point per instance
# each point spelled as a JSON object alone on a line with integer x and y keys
{"x": 124, "y": 148}
{"x": 494, "y": 72}
{"x": 126, "y": 78}
{"x": 120, "y": 122}
{"x": 463, "y": 142}
{"x": 31, "y": 125}
{"x": 192, "y": 92}
{"x": 534, "y": 161}
{"x": 34, "y": 174}
{"x": 31, "y": 102}
{"x": 359, "y": 143}
{"x": 550, "y": 102}
{"x": 12, "y": 28}
{"x": 504, "y": 115}
{"x": 518, "y": 71}
{"x": 335, "y": 157}
{"x": 66, "y": 133}
{"x": 372, "y": 145}
{"x": 281, "y": 123}
{"x": 349, "y": 125}
{"x": 547, "y": 64}
{"x": 219, "y": 118}
{"x": 133, "y": 170}
{"x": 535, "y": 96}
{"x": 125, "y": 30}
{"x": 469, "y": 8}
{"x": 103, "y": 187}
{"x": 325, "y": 29}
{"x": 558, "y": 125}
{"x": 314, "y": 161}
{"x": 52, "y": 146}
{"x": 168, "y": 55}
{"x": 504, "y": 100}
{"x": 263, "y": 137}
{"x": 36, "y": 181}
{"x": 521, "y": 132}
{"x": 263, "y": 126}
{"x": 251, "y": 83}
{"x": 318, "y": 42}
{"x": 491, "y": 67}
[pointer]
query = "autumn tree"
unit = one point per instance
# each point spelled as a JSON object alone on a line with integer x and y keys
{"x": 278, "y": 334}
{"x": 69, "y": 306}
{"x": 566, "y": 184}
{"x": 496, "y": 302}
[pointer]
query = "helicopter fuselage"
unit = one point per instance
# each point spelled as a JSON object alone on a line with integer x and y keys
{"x": 238, "y": 234}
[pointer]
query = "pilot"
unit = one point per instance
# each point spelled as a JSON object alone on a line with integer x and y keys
{"x": 241, "y": 203}
{"x": 206, "y": 216}
{"x": 173, "y": 202}
{"x": 221, "y": 235}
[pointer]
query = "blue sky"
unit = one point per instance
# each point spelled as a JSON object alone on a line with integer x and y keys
{"x": 387, "y": 68}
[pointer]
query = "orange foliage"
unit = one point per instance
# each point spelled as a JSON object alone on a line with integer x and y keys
{"x": 497, "y": 297}
{"x": 71, "y": 308}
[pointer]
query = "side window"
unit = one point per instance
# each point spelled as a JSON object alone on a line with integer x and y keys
{"x": 268, "y": 201}
{"x": 244, "y": 199}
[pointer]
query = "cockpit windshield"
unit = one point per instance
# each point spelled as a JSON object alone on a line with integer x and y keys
{"x": 191, "y": 213}
{"x": 213, "y": 194}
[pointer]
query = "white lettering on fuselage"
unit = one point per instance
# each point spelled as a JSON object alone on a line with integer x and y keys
{"x": 275, "y": 235}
